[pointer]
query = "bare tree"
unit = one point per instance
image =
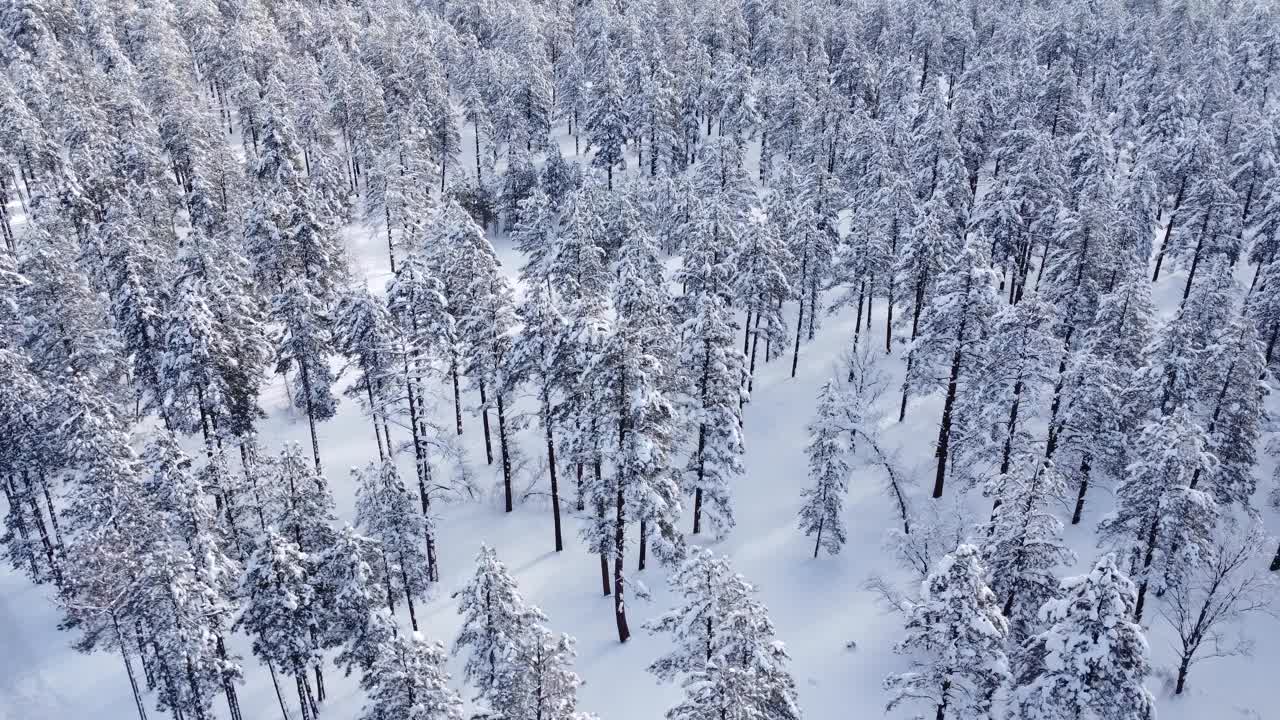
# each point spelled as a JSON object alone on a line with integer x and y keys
{"x": 1228, "y": 586}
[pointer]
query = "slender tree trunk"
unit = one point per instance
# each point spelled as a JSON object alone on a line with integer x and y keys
{"x": 506, "y": 455}
{"x": 1084, "y": 488}
{"x": 457, "y": 393}
{"x": 551, "y": 464}
{"x": 1168, "y": 228}
{"x": 311, "y": 418}
{"x": 644, "y": 543}
{"x": 128, "y": 668}
{"x": 944, "y": 430}
{"x": 804, "y": 270}
{"x": 373, "y": 414}
{"x": 1148, "y": 556}
{"x": 484, "y": 417}
{"x": 408, "y": 596}
{"x": 600, "y": 510}
{"x": 817, "y": 543}
{"x": 619, "y": 547}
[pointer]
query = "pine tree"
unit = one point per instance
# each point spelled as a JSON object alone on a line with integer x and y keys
{"x": 949, "y": 349}
{"x": 1160, "y": 522}
{"x": 829, "y": 449}
{"x": 368, "y": 337}
{"x": 354, "y": 578}
{"x": 304, "y": 345}
{"x": 1094, "y": 419}
{"x": 732, "y": 665}
{"x": 384, "y": 512}
{"x": 607, "y": 123}
{"x": 761, "y": 286}
{"x": 955, "y": 637}
{"x": 1091, "y": 660}
{"x": 408, "y": 680}
{"x": 1018, "y": 368}
{"x": 488, "y": 327}
{"x": 538, "y": 356}
{"x": 495, "y": 618}
{"x": 281, "y": 612}
{"x": 1024, "y": 544}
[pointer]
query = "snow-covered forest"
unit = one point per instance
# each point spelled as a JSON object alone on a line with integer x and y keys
{"x": 616, "y": 359}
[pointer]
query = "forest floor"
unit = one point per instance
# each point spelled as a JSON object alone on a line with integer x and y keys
{"x": 840, "y": 634}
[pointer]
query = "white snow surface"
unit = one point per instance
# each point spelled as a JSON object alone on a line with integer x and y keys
{"x": 839, "y": 633}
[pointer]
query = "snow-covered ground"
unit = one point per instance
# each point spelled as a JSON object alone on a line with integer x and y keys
{"x": 839, "y": 634}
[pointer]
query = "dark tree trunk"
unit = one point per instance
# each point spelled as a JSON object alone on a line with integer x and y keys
{"x": 619, "y": 547}
{"x": 644, "y": 543}
{"x": 555, "y": 485}
{"x": 128, "y": 668}
{"x": 804, "y": 269}
{"x": 944, "y": 429}
{"x": 506, "y": 456}
{"x": 457, "y": 394}
{"x": 484, "y": 417}
{"x": 1084, "y": 488}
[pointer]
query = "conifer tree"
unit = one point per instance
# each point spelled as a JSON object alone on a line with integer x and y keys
{"x": 495, "y": 617}
{"x": 408, "y": 680}
{"x": 1091, "y": 660}
{"x": 955, "y": 637}
{"x": 538, "y": 356}
{"x": 384, "y": 512}
{"x": 1024, "y": 544}
{"x": 1161, "y": 523}
{"x": 829, "y": 449}
{"x": 950, "y": 349}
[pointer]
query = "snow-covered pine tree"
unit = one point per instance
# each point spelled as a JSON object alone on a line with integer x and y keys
{"x": 761, "y": 286}
{"x": 368, "y": 338}
{"x": 829, "y": 469}
{"x": 629, "y": 378}
{"x": 1018, "y": 368}
{"x": 304, "y": 345}
{"x": 949, "y": 349}
{"x": 1161, "y": 523}
{"x": 408, "y": 681}
{"x": 385, "y": 513}
{"x": 1024, "y": 544}
{"x": 1060, "y": 672}
{"x": 1236, "y": 415}
{"x": 487, "y": 327}
{"x": 427, "y": 336}
{"x": 354, "y": 578}
{"x": 538, "y": 357}
{"x": 280, "y": 612}
{"x": 726, "y": 650}
{"x": 547, "y": 680}
{"x": 607, "y": 123}
{"x": 955, "y": 638}
{"x": 495, "y": 618}
{"x": 1094, "y": 420}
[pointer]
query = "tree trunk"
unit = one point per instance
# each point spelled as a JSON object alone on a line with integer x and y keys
{"x": 506, "y": 455}
{"x": 944, "y": 430}
{"x": 1146, "y": 565}
{"x": 311, "y": 420}
{"x": 1084, "y": 488}
{"x": 408, "y": 596}
{"x": 128, "y": 668}
{"x": 457, "y": 394}
{"x": 484, "y": 417}
{"x": 619, "y": 547}
{"x": 817, "y": 543}
{"x": 804, "y": 269}
{"x": 555, "y": 486}
{"x": 1183, "y": 666}
{"x": 644, "y": 543}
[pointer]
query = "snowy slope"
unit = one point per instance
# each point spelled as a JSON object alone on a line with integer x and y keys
{"x": 839, "y": 633}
